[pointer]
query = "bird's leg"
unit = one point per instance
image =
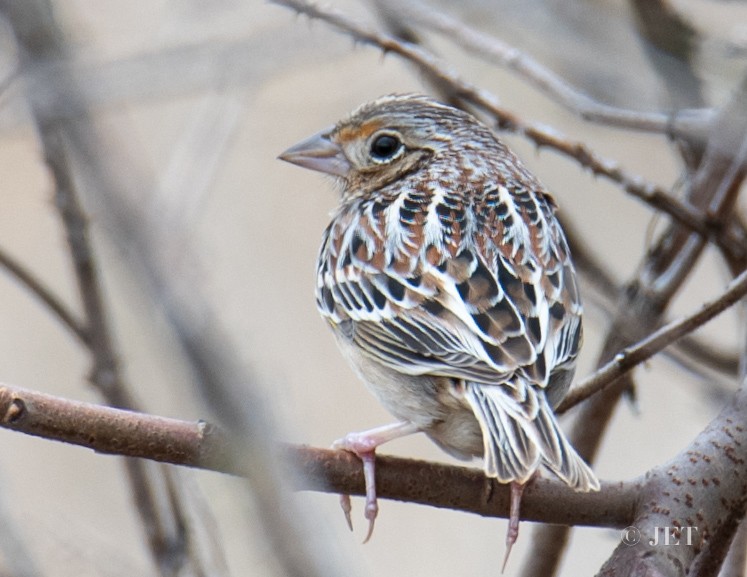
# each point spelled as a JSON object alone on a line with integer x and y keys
{"x": 517, "y": 489}
{"x": 364, "y": 445}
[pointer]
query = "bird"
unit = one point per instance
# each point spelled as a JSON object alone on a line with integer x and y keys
{"x": 448, "y": 283}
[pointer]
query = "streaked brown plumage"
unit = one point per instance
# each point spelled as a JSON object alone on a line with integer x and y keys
{"x": 447, "y": 281}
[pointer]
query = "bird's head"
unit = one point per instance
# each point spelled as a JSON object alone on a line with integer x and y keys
{"x": 385, "y": 140}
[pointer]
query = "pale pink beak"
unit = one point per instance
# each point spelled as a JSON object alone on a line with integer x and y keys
{"x": 320, "y": 153}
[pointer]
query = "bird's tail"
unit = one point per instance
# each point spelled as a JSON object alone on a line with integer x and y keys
{"x": 520, "y": 432}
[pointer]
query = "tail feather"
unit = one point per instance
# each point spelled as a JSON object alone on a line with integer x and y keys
{"x": 518, "y": 439}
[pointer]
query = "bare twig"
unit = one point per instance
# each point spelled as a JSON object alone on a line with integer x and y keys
{"x": 645, "y": 349}
{"x": 37, "y": 288}
{"x": 691, "y": 125}
{"x": 617, "y": 504}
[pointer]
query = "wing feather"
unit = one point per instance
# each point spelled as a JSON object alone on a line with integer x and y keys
{"x": 481, "y": 305}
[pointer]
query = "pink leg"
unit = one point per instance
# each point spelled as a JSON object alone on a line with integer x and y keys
{"x": 517, "y": 489}
{"x": 364, "y": 445}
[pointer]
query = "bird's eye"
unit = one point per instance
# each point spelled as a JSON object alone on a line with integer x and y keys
{"x": 385, "y": 147}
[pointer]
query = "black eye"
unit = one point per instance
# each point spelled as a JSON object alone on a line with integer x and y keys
{"x": 385, "y": 147}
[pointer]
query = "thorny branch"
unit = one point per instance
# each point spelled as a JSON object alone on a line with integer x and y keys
{"x": 691, "y": 125}
{"x": 640, "y": 352}
{"x": 712, "y": 188}
{"x": 689, "y": 352}
{"x": 652, "y": 195}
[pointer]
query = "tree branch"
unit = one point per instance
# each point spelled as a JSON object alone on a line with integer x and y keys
{"x": 37, "y": 288}
{"x": 704, "y": 488}
{"x": 691, "y": 490}
{"x": 691, "y": 125}
{"x": 633, "y": 356}
{"x": 199, "y": 444}
{"x": 114, "y": 431}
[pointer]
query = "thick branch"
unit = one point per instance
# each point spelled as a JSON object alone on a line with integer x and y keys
{"x": 704, "y": 488}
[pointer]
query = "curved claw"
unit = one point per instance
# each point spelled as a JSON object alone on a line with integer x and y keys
{"x": 372, "y": 511}
{"x": 517, "y": 490}
{"x": 372, "y": 504}
{"x": 347, "y": 507}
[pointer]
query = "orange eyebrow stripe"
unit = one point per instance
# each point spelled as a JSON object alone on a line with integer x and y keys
{"x": 360, "y": 131}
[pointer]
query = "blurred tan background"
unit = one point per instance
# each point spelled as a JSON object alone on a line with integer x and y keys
{"x": 210, "y": 139}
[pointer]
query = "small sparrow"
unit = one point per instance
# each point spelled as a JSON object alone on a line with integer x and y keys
{"x": 448, "y": 283}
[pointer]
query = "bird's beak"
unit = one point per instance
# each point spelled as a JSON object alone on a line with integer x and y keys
{"x": 320, "y": 153}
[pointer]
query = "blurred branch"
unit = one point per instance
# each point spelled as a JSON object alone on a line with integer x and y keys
{"x": 670, "y": 43}
{"x": 37, "y": 288}
{"x": 691, "y": 125}
{"x": 161, "y": 75}
{"x": 169, "y": 545}
{"x": 16, "y": 559}
{"x": 162, "y": 513}
{"x": 117, "y": 186}
{"x": 634, "y": 355}
{"x": 652, "y": 195}
{"x": 706, "y": 354}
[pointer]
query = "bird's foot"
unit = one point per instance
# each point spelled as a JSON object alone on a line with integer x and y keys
{"x": 364, "y": 446}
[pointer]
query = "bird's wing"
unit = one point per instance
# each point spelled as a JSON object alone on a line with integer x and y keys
{"x": 475, "y": 294}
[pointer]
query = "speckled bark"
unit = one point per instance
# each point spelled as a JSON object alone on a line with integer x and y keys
{"x": 691, "y": 506}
